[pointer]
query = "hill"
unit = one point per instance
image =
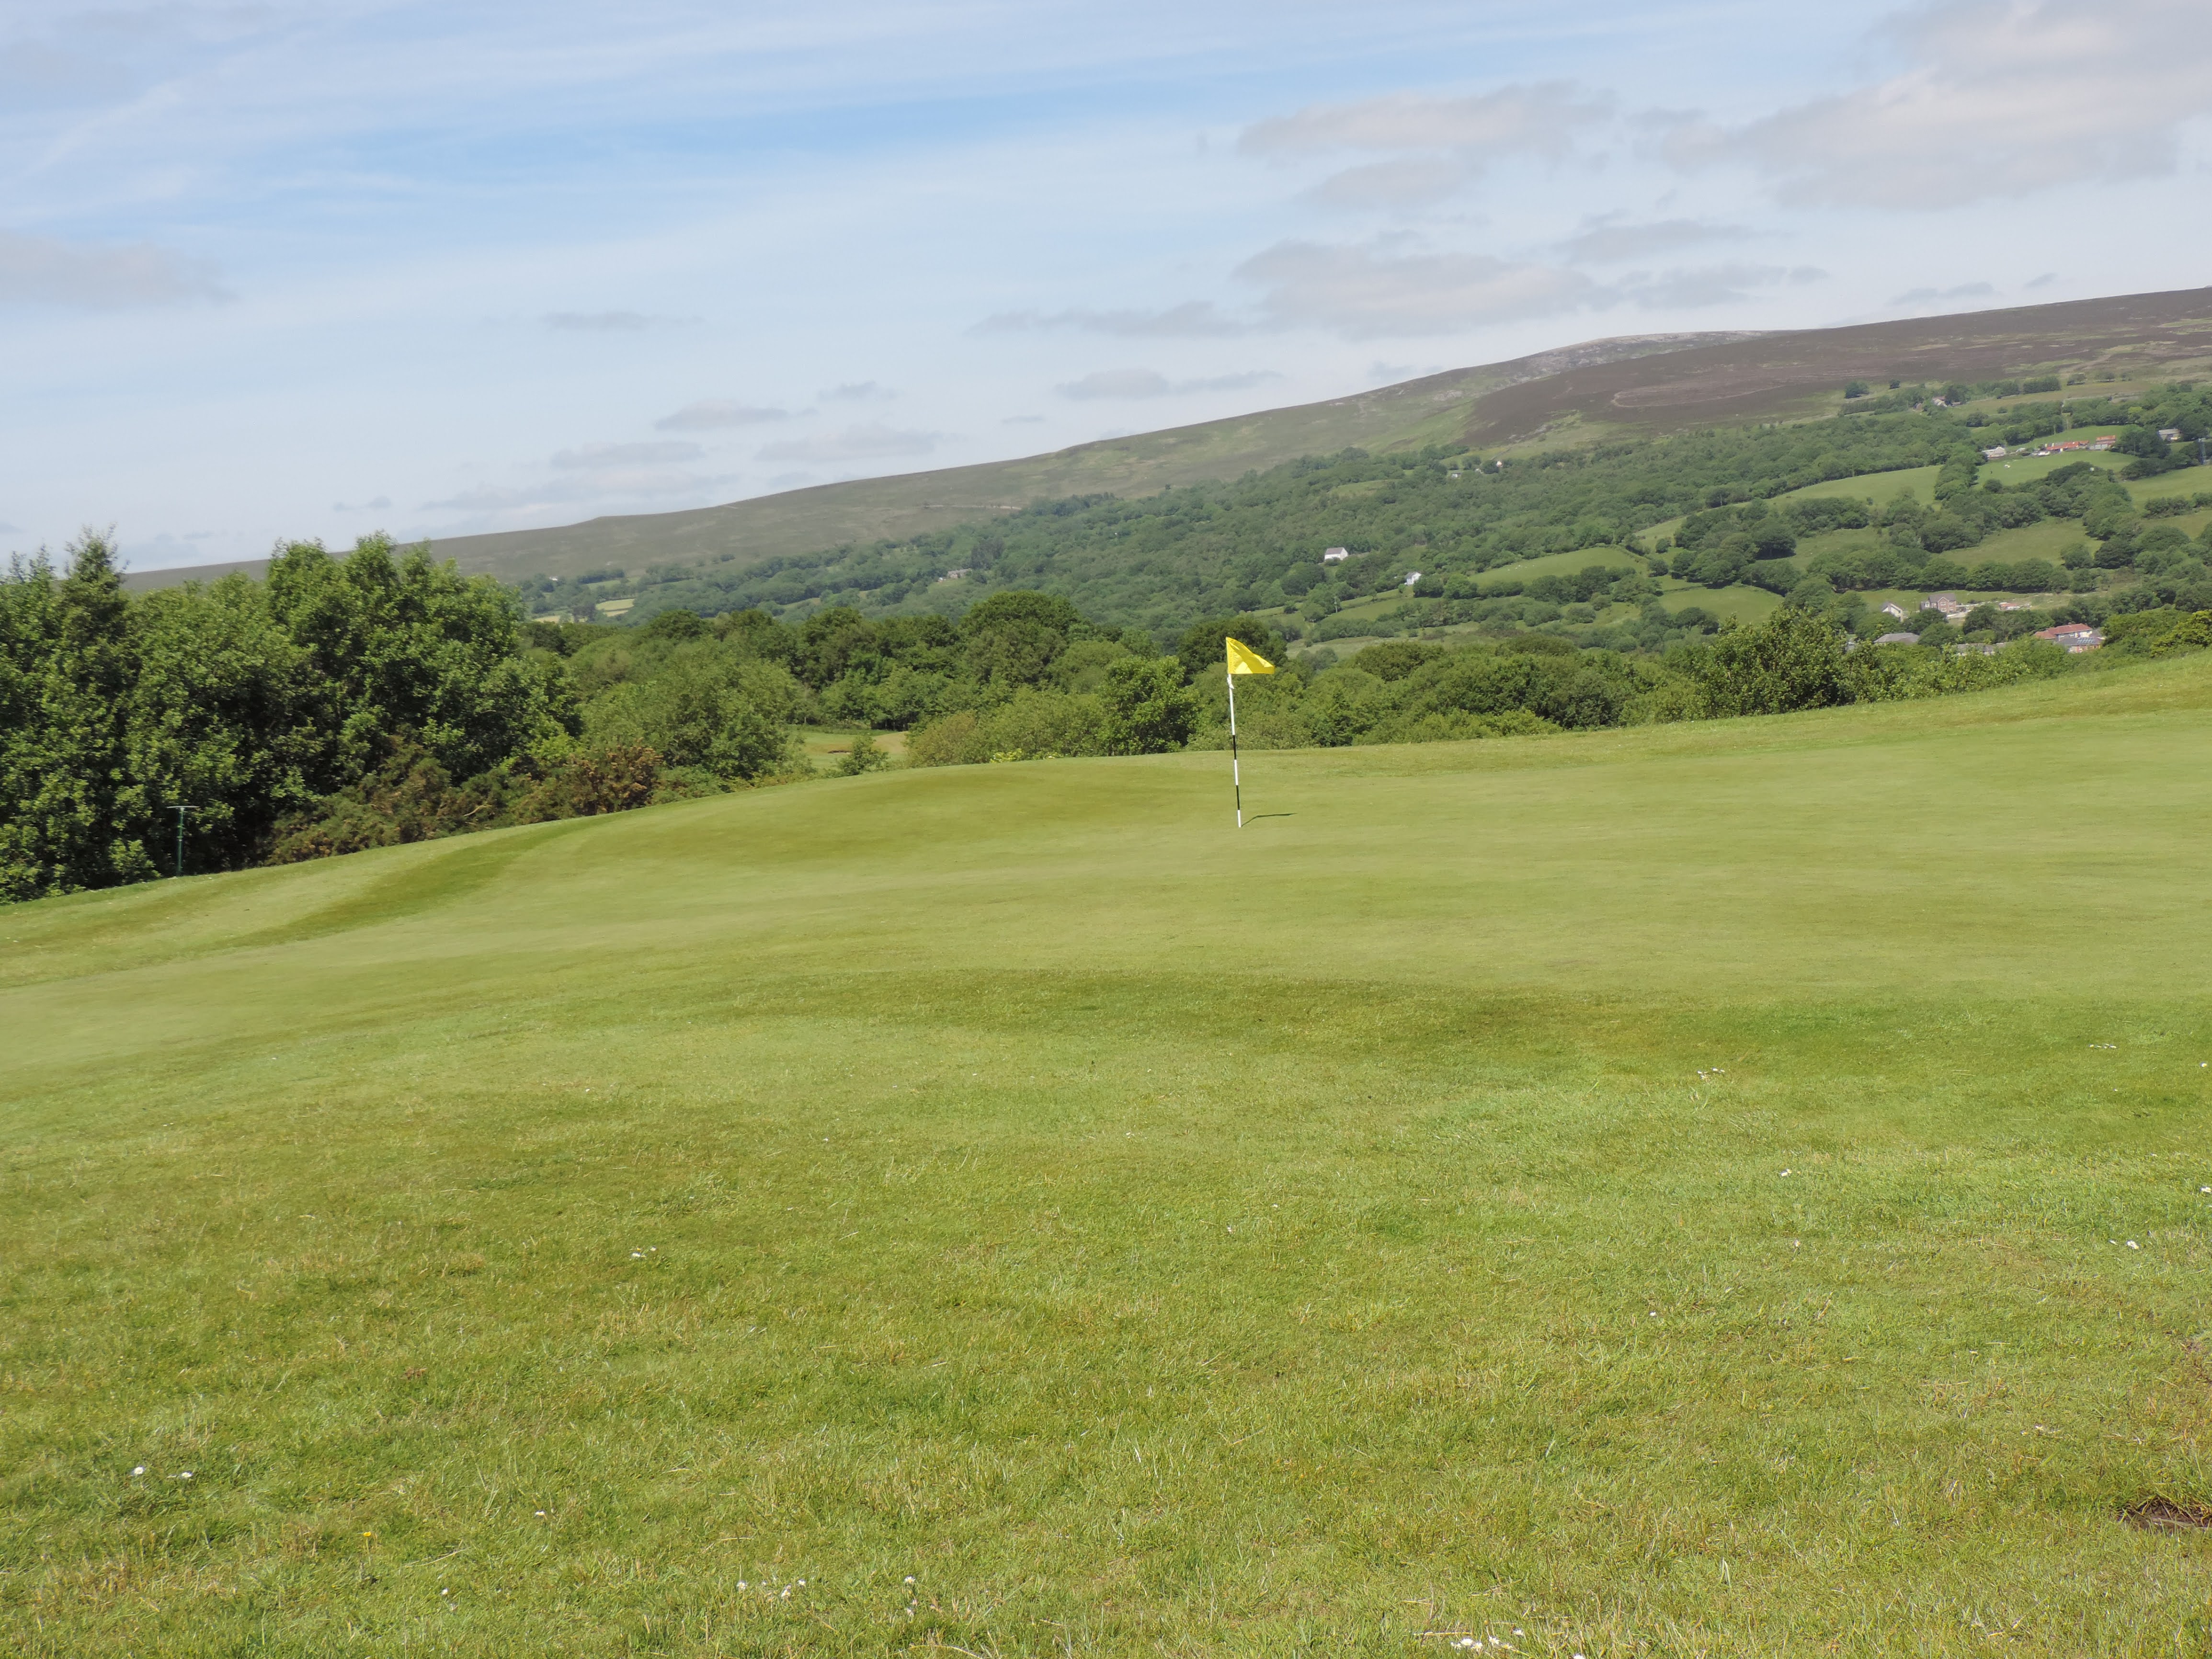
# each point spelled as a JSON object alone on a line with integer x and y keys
{"x": 1628, "y": 387}
{"x": 1702, "y": 1189}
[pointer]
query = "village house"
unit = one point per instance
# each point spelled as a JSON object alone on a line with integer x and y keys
{"x": 2076, "y": 637}
{"x": 1897, "y": 639}
{"x": 1891, "y": 608}
{"x": 1335, "y": 555}
{"x": 1947, "y": 606}
{"x": 1996, "y": 454}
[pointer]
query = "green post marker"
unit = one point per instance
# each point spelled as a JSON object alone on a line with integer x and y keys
{"x": 178, "y": 869}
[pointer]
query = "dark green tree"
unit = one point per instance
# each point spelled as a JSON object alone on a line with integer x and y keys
{"x": 1199, "y": 649}
{"x": 1794, "y": 660}
{"x": 1148, "y": 709}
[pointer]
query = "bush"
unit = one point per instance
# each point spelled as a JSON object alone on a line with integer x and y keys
{"x": 1794, "y": 660}
{"x": 1146, "y": 707}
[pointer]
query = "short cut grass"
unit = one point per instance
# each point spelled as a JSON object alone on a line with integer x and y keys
{"x": 1722, "y": 1189}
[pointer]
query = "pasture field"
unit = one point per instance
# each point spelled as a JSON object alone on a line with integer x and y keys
{"x": 1879, "y": 488}
{"x": 1722, "y": 1189}
{"x": 1741, "y": 603}
{"x": 1565, "y": 564}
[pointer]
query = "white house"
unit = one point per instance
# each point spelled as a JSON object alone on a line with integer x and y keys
{"x": 1413, "y": 576}
{"x": 1891, "y": 608}
{"x": 1335, "y": 555}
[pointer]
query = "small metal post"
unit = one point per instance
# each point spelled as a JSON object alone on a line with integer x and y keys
{"x": 1236, "y": 772}
{"x": 179, "y": 868}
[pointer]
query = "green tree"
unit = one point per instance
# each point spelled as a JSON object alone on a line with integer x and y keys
{"x": 1148, "y": 708}
{"x": 224, "y": 718}
{"x": 67, "y": 764}
{"x": 1794, "y": 660}
{"x": 410, "y": 647}
{"x": 862, "y": 755}
{"x": 703, "y": 707}
{"x": 1199, "y": 649}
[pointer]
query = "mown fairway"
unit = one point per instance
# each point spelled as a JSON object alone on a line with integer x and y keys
{"x": 1730, "y": 1190}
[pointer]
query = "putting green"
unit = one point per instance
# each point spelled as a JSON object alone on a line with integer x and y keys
{"x": 1709, "y": 1188}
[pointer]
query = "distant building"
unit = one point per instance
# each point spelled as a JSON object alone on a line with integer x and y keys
{"x": 1335, "y": 555}
{"x": 1891, "y": 608}
{"x": 2104, "y": 443}
{"x": 2171, "y": 433}
{"x": 1996, "y": 454}
{"x": 2076, "y": 637}
{"x": 1897, "y": 639}
{"x": 955, "y": 575}
{"x": 1413, "y": 576}
{"x": 2015, "y": 604}
{"x": 1945, "y": 605}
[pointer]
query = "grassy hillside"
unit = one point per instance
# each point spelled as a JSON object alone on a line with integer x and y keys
{"x": 1634, "y": 386}
{"x": 1431, "y": 410}
{"x": 1723, "y": 1188}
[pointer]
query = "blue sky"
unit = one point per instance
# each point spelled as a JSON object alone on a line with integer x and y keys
{"x": 277, "y": 271}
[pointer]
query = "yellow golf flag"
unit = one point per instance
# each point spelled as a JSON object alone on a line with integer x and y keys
{"x": 1244, "y": 660}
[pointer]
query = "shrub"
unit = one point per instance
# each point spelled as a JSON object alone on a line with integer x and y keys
{"x": 1794, "y": 660}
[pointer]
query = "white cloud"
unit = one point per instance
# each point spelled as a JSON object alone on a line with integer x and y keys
{"x": 1609, "y": 242}
{"x": 1150, "y": 383}
{"x": 1192, "y": 320}
{"x": 46, "y": 270}
{"x": 858, "y": 391}
{"x": 873, "y": 442}
{"x": 610, "y": 322}
{"x": 1710, "y": 285}
{"x": 598, "y": 457}
{"x": 1999, "y": 98}
{"x": 1370, "y": 292}
{"x": 1918, "y": 296}
{"x": 1541, "y": 119}
{"x": 1414, "y": 182}
{"x": 599, "y": 484}
{"x": 710, "y": 414}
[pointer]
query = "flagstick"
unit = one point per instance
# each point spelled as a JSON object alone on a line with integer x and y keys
{"x": 1236, "y": 772}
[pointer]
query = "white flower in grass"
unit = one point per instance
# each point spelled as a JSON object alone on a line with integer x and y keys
{"x": 140, "y": 1469}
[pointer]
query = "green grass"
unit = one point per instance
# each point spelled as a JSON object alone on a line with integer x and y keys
{"x": 1148, "y": 1237}
{"x": 1879, "y": 488}
{"x": 2026, "y": 469}
{"x": 1565, "y": 564}
{"x": 824, "y": 744}
{"x": 1741, "y": 603}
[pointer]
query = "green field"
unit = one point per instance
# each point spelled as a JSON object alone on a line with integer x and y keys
{"x": 1879, "y": 488}
{"x": 1734, "y": 1188}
